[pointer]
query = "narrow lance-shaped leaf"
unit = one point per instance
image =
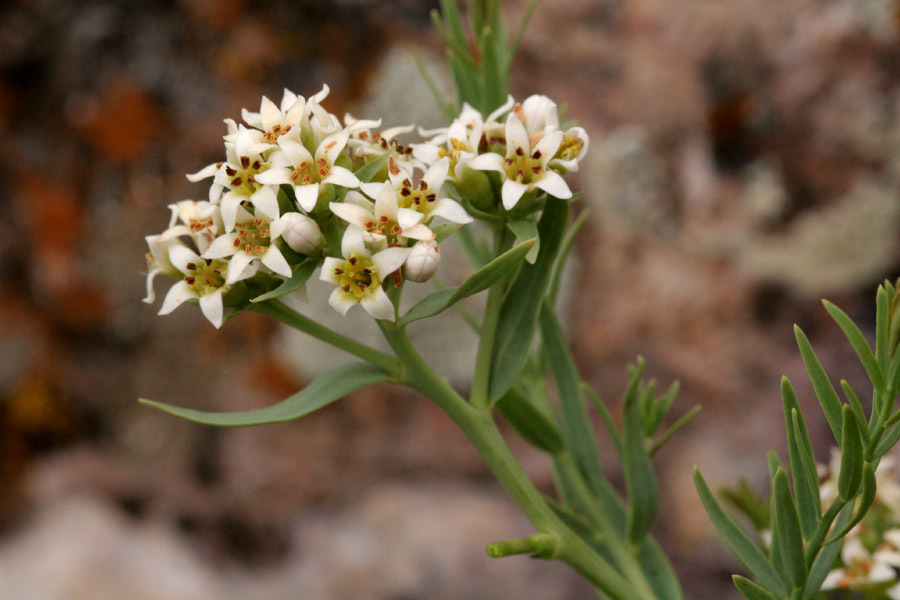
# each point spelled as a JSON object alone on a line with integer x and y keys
{"x": 867, "y": 497}
{"x": 640, "y": 480}
{"x": 526, "y": 229}
{"x": 824, "y": 562}
{"x": 746, "y": 551}
{"x": 828, "y": 398}
{"x": 859, "y": 343}
{"x": 530, "y": 421}
{"x": 858, "y": 411}
{"x": 301, "y": 275}
{"x": 518, "y": 314}
{"x": 803, "y": 462}
{"x": 789, "y": 525}
{"x": 750, "y": 590}
{"x": 369, "y": 170}
{"x": 328, "y": 387}
{"x": 576, "y": 426}
{"x": 882, "y": 315}
{"x": 850, "y": 476}
{"x": 481, "y": 280}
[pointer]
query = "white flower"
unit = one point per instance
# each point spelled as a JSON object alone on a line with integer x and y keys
{"x": 305, "y": 172}
{"x": 524, "y": 168}
{"x": 423, "y": 197}
{"x": 252, "y": 239}
{"x": 158, "y": 261}
{"x": 383, "y": 223}
{"x": 860, "y": 568}
{"x": 199, "y": 220}
{"x": 359, "y": 274}
{"x": 204, "y": 280}
{"x": 299, "y": 232}
{"x": 287, "y": 120}
{"x": 423, "y": 260}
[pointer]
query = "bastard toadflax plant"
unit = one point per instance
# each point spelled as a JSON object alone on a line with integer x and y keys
{"x": 302, "y": 193}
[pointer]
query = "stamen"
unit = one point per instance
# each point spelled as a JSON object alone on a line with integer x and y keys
{"x": 384, "y": 219}
{"x": 431, "y": 197}
{"x": 352, "y": 260}
{"x": 405, "y": 192}
{"x": 230, "y": 171}
{"x": 236, "y": 182}
{"x": 304, "y": 165}
{"x": 245, "y": 161}
{"x": 190, "y": 280}
{"x": 519, "y": 151}
{"x": 191, "y": 266}
{"x": 256, "y": 165}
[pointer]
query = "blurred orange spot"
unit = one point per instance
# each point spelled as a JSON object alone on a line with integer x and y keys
{"x": 123, "y": 123}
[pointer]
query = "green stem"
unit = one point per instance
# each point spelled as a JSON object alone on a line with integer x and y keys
{"x": 481, "y": 381}
{"x": 479, "y": 427}
{"x": 815, "y": 542}
{"x": 287, "y": 315}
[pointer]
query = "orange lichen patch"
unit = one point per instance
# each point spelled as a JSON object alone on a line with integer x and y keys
{"x": 123, "y": 122}
{"x": 52, "y": 215}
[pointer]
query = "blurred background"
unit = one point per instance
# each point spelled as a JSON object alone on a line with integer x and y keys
{"x": 744, "y": 162}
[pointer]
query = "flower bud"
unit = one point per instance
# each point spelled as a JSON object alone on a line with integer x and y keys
{"x": 423, "y": 261}
{"x": 301, "y": 233}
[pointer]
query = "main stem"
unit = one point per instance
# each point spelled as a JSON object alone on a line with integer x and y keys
{"x": 479, "y": 427}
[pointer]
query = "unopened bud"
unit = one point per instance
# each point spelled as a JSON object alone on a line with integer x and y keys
{"x": 301, "y": 233}
{"x": 423, "y": 261}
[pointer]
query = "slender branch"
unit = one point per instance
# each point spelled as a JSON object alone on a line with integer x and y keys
{"x": 289, "y": 316}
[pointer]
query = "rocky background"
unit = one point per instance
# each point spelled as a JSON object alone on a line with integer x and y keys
{"x": 745, "y": 161}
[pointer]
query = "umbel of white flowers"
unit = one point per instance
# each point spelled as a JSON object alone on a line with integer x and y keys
{"x": 291, "y": 168}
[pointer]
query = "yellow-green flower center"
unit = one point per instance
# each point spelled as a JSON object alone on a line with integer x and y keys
{"x": 569, "y": 148}
{"x": 421, "y": 198}
{"x": 206, "y": 275}
{"x": 357, "y": 275}
{"x": 306, "y": 172}
{"x": 523, "y": 168}
{"x": 253, "y": 237}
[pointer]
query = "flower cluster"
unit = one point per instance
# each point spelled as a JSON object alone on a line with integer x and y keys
{"x": 297, "y": 185}
{"x": 870, "y": 557}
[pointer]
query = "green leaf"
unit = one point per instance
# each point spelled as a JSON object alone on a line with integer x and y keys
{"x": 659, "y": 571}
{"x": 530, "y": 421}
{"x": 520, "y": 32}
{"x": 446, "y": 106}
{"x": 850, "y": 477}
{"x": 824, "y": 562}
{"x": 741, "y": 545}
{"x": 675, "y": 428}
{"x": 858, "y": 411}
{"x": 745, "y": 499}
{"x": 577, "y": 432}
{"x": 605, "y": 415}
{"x": 859, "y": 343}
{"x": 640, "y": 479}
{"x": 828, "y": 398}
{"x": 750, "y": 590}
{"x": 888, "y": 441}
{"x": 481, "y": 280}
{"x": 564, "y": 253}
{"x": 369, "y": 170}
{"x": 518, "y": 314}
{"x": 789, "y": 527}
{"x": 867, "y": 497}
{"x": 526, "y": 229}
{"x": 803, "y": 461}
{"x": 492, "y": 78}
{"x": 301, "y": 275}
{"x": 882, "y": 316}
{"x": 325, "y": 389}
{"x": 444, "y": 230}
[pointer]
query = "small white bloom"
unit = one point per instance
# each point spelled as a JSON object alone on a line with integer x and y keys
{"x": 860, "y": 568}
{"x": 383, "y": 223}
{"x": 251, "y": 240}
{"x": 358, "y": 276}
{"x": 524, "y": 168}
{"x": 299, "y": 232}
{"x": 423, "y": 260}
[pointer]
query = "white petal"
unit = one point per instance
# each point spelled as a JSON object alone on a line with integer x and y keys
{"x": 269, "y": 114}
{"x": 181, "y": 256}
{"x": 151, "y": 294}
{"x": 386, "y": 203}
{"x": 240, "y": 261}
{"x": 407, "y": 217}
{"x": 419, "y": 232}
{"x": 427, "y": 153}
{"x": 372, "y": 189}
{"x": 378, "y": 304}
{"x": 265, "y": 200}
{"x": 505, "y": 108}
{"x": 295, "y": 152}
{"x": 212, "y": 308}
{"x": 548, "y": 146}
{"x": 341, "y": 301}
{"x": 328, "y": 268}
{"x": 354, "y": 197}
{"x": 341, "y": 176}
{"x": 450, "y": 210}
{"x": 389, "y": 260}
{"x": 351, "y": 213}
{"x": 178, "y": 294}
{"x": 230, "y": 204}
{"x": 307, "y": 195}
{"x": 516, "y": 136}
{"x": 207, "y": 171}
{"x": 512, "y": 192}
{"x": 553, "y": 184}
{"x": 437, "y": 174}
{"x": 332, "y": 146}
{"x": 252, "y": 119}
{"x": 288, "y": 99}
{"x": 274, "y": 259}
{"x": 352, "y": 243}
{"x": 490, "y": 161}
{"x": 222, "y": 246}
{"x": 322, "y": 94}
{"x": 274, "y": 176}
